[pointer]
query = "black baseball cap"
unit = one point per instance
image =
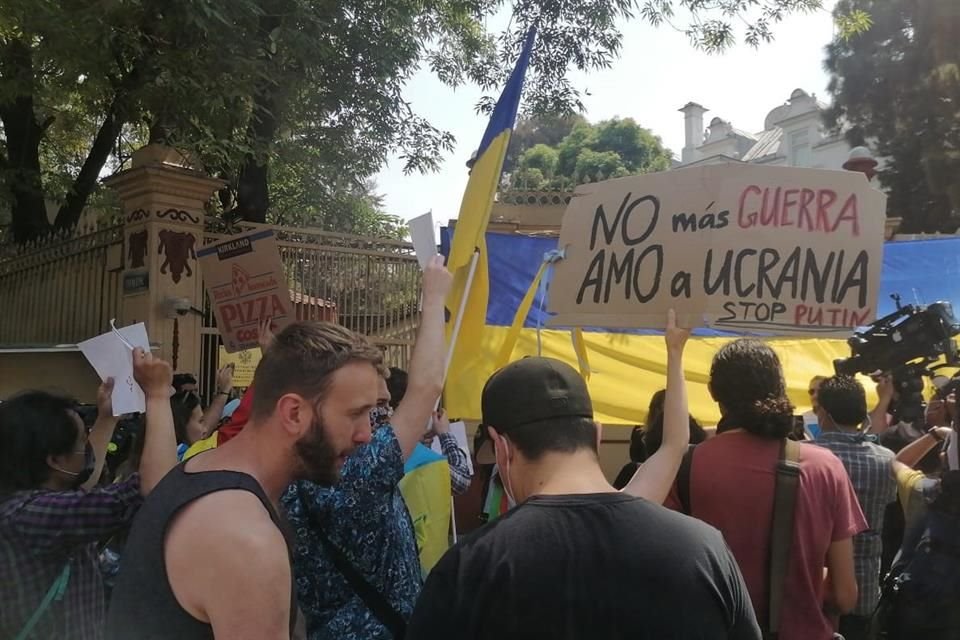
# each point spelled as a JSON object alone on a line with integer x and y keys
{"x": 530, "y": 391}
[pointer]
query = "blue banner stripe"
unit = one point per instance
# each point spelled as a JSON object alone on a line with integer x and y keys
{"x": 920, "y": 271}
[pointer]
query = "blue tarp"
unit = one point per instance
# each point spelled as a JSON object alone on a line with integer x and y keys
{"x": 920, "y": 271}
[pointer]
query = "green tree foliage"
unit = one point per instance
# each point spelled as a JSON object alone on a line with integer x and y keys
{"x": 303, "y": 197}
{"x": 591, "y": 152}
{"x": 547, "y": 128}
{"x": 542, "y": 157}
{"x": 239, "y": 82}
{"x": 896, "y": 87}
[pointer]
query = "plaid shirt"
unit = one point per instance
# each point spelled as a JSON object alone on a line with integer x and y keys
{"x": 41, "y": 531}
{"x": 870, "y": 467}
{"x": 460, "y": 475}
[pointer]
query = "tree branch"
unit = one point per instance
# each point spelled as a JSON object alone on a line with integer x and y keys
{"x": 23, "y": 136}
{"x": 86, "y": 180}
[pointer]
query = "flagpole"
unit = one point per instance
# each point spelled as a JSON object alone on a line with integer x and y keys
{"x": 458, "y": 321}
{"x": 453, "y": 519}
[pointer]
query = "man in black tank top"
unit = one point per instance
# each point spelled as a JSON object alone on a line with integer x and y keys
{"x": 207, "y": 556}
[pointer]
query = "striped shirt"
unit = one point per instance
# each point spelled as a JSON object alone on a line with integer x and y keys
{"x": 460, "y": 475}
{"x": 42, "y": 531}
{"x": 870, "y": 468}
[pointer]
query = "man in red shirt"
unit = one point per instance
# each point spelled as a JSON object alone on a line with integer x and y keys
{"x": 731, "y": 486}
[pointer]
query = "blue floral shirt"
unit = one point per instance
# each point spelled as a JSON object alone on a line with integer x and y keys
{"x": 365, "y": 516}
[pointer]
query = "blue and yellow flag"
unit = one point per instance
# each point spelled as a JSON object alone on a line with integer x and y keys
{"x": 425, "y": 487}
{"x": 468, "y": 237}
{"x": 630, "y": 365}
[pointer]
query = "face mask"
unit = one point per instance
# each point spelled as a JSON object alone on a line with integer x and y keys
{"x": 380, "y": 416}
{"x": 505, "y": 475}
{"x": 89, "y": 463}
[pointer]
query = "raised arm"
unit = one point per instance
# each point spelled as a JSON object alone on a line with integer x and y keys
{"x": 102, "y": 431}
{"x": 160, "y": 443}
{"x": 211, "y": 417}
{"x": 878, "y": 417}
{"x": 654, "y": 478}
{"x": 425, "y": 382}
{"x": 914, "y": 452}
{"x": 460, "y": 474}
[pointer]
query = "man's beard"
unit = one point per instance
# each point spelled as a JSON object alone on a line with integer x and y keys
{"x": 317, "y": 457}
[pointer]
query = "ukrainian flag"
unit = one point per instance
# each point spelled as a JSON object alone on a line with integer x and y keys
{"x": 628, "y": 366}
{"x": 425, "y": 488}
{"x": 471, "y": 227}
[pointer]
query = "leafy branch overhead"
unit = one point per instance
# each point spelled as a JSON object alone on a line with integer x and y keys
{"x": 237, "y": 83}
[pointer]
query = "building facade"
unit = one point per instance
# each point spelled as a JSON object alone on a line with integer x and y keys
{"x": 793, "y": 135}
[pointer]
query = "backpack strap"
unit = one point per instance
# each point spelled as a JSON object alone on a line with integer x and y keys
{"x": 371, "y": 596}
{"x": 55, "y": 592}
{"x": 683, "y": 480}
{"x": 786, "y": 486}
{"x": 378, "y": 604}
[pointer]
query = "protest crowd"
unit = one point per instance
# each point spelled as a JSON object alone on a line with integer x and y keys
{"x": 317, "y": 503}
{"x": 295, "y": 517}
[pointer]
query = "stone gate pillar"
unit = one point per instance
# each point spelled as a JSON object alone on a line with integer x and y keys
{"x": 163, "y": 211}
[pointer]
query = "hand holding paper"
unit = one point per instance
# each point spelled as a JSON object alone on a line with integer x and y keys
{"x": 423, "y": 238}
{"x": 105, "y": 398}
{"x": 155, "y": 376}
{"x": 459, "y": 432}
{"x": 111, "y": 357}
{"x": 436, "y": 280}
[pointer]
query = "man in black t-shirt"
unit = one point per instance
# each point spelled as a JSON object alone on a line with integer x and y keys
{"x": 576, "y": 558}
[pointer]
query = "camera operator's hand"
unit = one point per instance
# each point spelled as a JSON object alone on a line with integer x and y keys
{"x": 885, "y": 392}
{"x": 885, "y": 386}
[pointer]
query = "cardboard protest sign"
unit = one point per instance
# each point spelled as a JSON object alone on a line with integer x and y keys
{"x": 244, "y": 365}
{"x": 747, "y": 248}
{"x": 245, "y": 280}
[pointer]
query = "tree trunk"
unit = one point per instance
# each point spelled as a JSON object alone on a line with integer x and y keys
{"x": 23, "y": 133}
{"x": 86, "y": 181}
{"x": 253, "y": 192}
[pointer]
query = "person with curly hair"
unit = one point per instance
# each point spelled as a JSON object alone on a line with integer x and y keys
{"x": 730, "y": 483}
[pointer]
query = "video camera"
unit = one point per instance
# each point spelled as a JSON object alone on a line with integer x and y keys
{"x": 905, "y": 343}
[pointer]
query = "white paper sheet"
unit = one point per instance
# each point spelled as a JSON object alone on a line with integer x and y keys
{"x": 111, "y": 358}
{"x": 423, "y": 238}
{"x": 459, "y": 431}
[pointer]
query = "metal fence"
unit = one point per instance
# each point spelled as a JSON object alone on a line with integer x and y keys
{"x": 370, "y": 285}
{"x": 66, "y": 288}
{"x": 61, "y": 289}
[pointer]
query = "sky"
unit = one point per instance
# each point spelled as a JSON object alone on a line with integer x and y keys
{"x": 657, "y": 73}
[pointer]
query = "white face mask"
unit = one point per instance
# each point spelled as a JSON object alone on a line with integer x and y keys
{"x": 503, "y": 467}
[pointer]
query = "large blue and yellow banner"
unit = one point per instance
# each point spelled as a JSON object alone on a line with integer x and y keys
{"x": 628, "y": 366}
